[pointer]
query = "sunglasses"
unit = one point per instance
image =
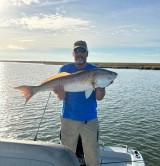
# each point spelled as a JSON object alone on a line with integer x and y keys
{"x": 80, "y": 50}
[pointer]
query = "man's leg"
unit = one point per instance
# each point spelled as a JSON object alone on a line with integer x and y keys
{"x": 90, "y": 135}
{"x": 69, "y": 133}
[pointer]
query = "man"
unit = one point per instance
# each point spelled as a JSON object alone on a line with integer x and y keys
{"x": 79, "y": 115}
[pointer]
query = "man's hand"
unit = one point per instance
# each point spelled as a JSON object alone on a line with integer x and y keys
{"x": 59, "y": 91}
{"x": 100, "y": 93}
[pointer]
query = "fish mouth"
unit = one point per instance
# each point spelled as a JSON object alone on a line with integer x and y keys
{"x": 115, "y": 74}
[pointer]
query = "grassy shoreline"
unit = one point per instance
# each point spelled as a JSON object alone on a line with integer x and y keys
{"x": 117, "y": 65}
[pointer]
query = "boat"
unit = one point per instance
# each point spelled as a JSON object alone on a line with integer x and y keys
{"x": 37, "y": 153}
{"x": 117, "y": 156}
{"x": 120, "y": 156}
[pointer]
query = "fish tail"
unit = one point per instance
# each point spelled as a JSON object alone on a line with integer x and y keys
{"x": 28, "y": 91}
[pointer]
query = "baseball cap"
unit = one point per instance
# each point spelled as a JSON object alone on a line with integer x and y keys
{"x": 80, "y": 43}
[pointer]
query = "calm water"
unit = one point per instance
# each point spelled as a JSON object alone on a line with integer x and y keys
{"x": 129, "y": 114}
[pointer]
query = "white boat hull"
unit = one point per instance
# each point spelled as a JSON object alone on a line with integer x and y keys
{"x": 31, "y": 153}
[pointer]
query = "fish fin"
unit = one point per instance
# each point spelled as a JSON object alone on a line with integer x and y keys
{"x": 27, "y": 91}
{"x": 88, "y": 93}
{"x": 56, "y": 76}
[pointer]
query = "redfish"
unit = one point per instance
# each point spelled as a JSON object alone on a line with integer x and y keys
{"x": 81, "y": 81}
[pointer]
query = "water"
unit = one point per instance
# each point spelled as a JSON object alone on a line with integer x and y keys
{"x": 129, "y": 113}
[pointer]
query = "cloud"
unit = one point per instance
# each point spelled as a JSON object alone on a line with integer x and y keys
{"x": 14, "y": 47}
{"x": 45, "y": 22}
{"x": 51, "y": 2}
{"x": 40, "y": 3}
{"x": 51, "y": 22}
{"x": 8, "y": 22}
{"x": 21, "y": 2}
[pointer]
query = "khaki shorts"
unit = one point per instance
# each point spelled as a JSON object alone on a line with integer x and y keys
{"x": 89, "y": 132}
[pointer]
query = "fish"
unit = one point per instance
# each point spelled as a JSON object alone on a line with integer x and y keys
{"x": 82, "y": 81}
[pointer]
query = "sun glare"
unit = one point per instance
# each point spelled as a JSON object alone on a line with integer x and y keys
{"x": 3, "y": 5}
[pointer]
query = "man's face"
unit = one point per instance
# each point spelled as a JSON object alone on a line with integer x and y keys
{"x": 80, "y": 55}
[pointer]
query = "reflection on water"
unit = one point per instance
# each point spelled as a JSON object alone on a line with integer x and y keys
{"x": 2, "y": 85}
{"x": 4, "y": 117}
{"x": 129, "y": 113}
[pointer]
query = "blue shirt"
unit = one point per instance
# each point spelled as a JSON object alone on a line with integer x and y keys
{"x": 75, "y": 105}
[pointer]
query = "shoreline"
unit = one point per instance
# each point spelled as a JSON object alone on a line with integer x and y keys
{"x": 116, "y": 65}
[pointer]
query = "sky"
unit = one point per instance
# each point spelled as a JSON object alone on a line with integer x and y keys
{"x": 115, "y": 30}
